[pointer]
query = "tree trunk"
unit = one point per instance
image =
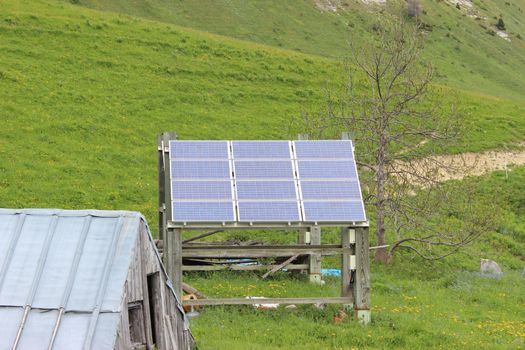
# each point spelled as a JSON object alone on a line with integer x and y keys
{"x": 381, "y": 255}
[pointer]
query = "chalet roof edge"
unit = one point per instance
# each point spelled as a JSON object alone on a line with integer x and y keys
{"x": 73, "y": 212}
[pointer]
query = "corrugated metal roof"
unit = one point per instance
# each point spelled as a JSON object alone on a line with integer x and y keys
{"x": 62, "y": 277}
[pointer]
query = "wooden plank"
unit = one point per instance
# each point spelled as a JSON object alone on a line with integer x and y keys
{"x": 280, "y": 266}
{"x": 315, "y": 258}
{"x": 136, "y": 322}
{"x": 164, "y": 294}
{"x": 196, "y": 261}
{"x": 346, "y": 272}
{"x": 203, "y": 235}
{"x": 171, "y": 335}
{"x": 123, "y": 335}
{"x": 190, "y": 290}
{"x": 240, "y": 267}
{"x": 260, "y": 251}
{"x": 144, "y": 244}
{"x": 362, "y": 276}
{"x": 283, "y": 301}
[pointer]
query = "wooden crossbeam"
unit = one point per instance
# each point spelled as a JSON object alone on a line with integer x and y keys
{"x": 260, "y": 251}
{"x": 240, "y": 267}
{"x": 283, "y": 301}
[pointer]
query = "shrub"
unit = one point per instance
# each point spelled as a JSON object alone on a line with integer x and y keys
{"x": 500, "y": 24}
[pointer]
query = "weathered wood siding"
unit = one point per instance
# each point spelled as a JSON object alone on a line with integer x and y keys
{"x": 162, "y": 323}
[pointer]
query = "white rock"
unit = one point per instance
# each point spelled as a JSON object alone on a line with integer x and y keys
{"x": 490, "y": 268}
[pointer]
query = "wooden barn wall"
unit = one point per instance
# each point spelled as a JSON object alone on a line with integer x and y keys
{"x": 170, "y": 328}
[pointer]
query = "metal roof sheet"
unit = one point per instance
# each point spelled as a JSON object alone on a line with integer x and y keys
{"x": 62, "y": 276}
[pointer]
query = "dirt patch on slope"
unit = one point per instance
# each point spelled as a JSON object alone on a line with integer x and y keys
{"x": 477, "y": 164}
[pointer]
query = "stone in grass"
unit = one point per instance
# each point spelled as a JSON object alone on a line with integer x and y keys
{"x": 490, "y": 268}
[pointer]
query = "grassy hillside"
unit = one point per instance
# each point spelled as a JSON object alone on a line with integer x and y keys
{"x": 462, "y": 43}
{"x": 83, "y": 94}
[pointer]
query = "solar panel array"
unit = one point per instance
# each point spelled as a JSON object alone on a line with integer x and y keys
{"x": 265, "y": 181}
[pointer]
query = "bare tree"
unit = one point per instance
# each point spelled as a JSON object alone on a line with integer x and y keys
{"x": 399, "y": 127}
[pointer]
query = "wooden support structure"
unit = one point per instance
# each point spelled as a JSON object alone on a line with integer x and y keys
{"x": 355, "y": 266}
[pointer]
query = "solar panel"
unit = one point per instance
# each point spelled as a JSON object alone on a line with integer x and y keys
{"x": 199, "y": 149}
{"x": 198, "y": 169}
{"x": 266, "y": 190}
{"x": 269, "y": 211}
{"x": 334, "y": 211}
{"x": 275, "y": 169}
{"x": 313, "y": 190}
{"x": 264, "y": 181}
{"x": 192, "y": 190}
{"x": 203, "y": 211}
{"x": 326, "y": 169}
{"x": 324, "y": 149}
{"x": 261, "y": 149}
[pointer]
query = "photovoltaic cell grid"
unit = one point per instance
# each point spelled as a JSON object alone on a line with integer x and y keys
{"x": 329, "y": 185}
{"x": 201, "y": 181}
{"x": 267, "y": 181}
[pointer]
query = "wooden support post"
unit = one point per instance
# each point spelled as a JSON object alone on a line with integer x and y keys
{"x": 315, "y": 259}
{"x": 362, "y": 277}
{"x": 303, "y": 237}
{"x": 164, "y": 195}
{"x": 347, "y": 269}
{"x": 168, "y": 255}
{"x": 176, "y": 272}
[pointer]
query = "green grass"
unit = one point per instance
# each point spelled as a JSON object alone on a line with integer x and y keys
{"x": 445, "y": 311}
{"x": 83, "y": 94}
{"x": 464, "y": 53}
